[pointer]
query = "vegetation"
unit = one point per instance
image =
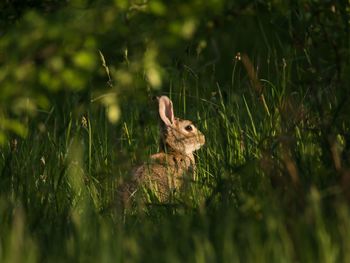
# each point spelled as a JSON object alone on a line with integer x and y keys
{"x": 267, "y": 82}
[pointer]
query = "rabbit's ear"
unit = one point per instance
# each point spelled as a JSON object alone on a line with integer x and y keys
{"x": 166, "y": 111}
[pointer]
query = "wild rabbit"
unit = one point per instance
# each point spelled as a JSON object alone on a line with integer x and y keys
{"x": 164, "y": 173}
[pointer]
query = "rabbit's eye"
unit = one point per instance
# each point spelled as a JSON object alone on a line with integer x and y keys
{"x": 188, "y": 128}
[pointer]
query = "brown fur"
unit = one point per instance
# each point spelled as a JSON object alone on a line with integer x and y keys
{"x": 165, "y": 172}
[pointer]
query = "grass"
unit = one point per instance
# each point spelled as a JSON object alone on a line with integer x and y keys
{"x": 269, "y": 183}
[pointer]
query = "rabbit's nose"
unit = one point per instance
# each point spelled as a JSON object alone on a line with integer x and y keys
{"x": 201, "y": 138}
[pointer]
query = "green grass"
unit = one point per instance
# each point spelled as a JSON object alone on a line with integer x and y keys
{"x": 267, "y": 187}
{"x": 272, "y": 182}
{"x": 273, "y": 178}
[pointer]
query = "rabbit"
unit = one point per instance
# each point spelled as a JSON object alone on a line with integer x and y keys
{"x": 165, "y": 173}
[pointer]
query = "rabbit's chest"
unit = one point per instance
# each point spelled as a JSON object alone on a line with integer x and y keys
{"x": 170, "y": 171}
{"x": 179, "y": 163}
{"x": 165, "y": 173}
{"x": 179, "y": 167}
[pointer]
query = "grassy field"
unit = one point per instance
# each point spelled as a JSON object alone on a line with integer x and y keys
{"x": 263, "y": 194}
{"x": 273, "y": 178}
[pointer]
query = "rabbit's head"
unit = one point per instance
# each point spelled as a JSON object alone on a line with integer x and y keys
{"x": 177, "y": 135}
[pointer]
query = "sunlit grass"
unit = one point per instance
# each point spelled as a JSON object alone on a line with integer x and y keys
{"x": 262, "y": 193}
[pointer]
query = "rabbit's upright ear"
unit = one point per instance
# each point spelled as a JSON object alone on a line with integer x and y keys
{"x": 166, "y": 111}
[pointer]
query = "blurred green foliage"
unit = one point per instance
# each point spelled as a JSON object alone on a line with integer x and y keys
{"x": 273, "y": 180}
{"x": 50, "y": 47}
